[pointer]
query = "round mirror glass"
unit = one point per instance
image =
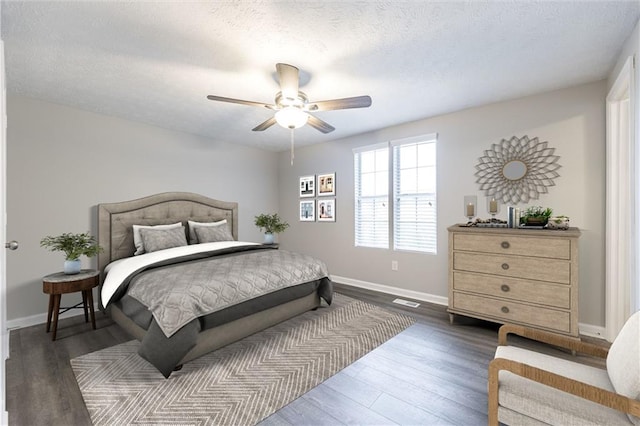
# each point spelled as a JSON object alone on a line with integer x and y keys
{"x": 514, "y": 170}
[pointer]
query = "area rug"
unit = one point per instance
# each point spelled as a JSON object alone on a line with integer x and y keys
{"x": 239, "y": 384}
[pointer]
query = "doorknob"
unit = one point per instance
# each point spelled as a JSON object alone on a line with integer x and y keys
{"x": 12, "y": 245}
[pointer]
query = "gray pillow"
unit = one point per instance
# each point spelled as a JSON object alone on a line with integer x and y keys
{"x": 212, "y": 234}
{"x": 193, "y": 239}
{"x": 160, "y": 239}
{"x": 137, "y": 238}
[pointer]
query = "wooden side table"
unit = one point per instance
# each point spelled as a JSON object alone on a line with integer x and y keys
{"x": 55, "y": 285}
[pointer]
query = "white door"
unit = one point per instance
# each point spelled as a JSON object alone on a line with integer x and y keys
{"x": 4, "y": 334}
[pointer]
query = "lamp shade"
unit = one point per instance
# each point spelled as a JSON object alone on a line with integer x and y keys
{"x": 291, "y": 117}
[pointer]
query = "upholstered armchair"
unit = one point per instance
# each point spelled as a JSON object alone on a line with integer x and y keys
{"x": 530, "y": 388}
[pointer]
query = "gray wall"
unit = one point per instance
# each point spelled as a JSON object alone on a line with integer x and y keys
{"x": 571, "y": 120}
{"x": 62, "y": 162}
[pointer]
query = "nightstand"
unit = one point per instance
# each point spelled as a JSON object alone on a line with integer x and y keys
{"x": 55, "y": 285}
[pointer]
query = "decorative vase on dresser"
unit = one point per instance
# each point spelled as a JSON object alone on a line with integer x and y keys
{"x": 520, "y": 276}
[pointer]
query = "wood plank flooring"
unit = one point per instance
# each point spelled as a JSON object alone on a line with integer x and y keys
{"x": 433, "y": 373}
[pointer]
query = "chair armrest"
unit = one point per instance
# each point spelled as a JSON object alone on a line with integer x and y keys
{"x": 565, "y": 384}
{"x": 565, "y": 342}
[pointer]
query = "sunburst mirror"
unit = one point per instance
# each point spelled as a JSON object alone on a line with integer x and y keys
{"x": 517, "y": 170}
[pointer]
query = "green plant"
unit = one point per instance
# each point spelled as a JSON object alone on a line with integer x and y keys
{"x": 73, "y": 245}
{"x": 271, "y": 223}
{"x": 536, "y": 214}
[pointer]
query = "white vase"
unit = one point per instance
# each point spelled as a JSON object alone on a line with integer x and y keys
{"x": 72, "y": 266}
{"x": 269, "y": 238}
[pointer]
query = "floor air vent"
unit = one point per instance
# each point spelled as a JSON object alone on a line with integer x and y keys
{"x": 406, "y": 303}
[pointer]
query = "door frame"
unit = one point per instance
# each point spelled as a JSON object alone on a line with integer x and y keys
{"x": 4, "y": 333}
{"x": 621, "y": 201}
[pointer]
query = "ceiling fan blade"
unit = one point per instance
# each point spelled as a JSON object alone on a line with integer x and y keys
{"x": 265, "y": 125}
{"x": 288, "y": 75}
{"x": 239, "y": 101}
{"x": 345, "y": 103}
{"x": 321, "y": 125}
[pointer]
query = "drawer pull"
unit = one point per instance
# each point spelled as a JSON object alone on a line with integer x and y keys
{"x": 504, "y": 288}
{"x": 505, "y": 266}
{"x": 505, "y": 244}
{"x": 505, "y": 310}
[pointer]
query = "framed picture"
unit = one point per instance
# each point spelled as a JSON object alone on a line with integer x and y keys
{"x": 327, "y": 184}
{"x": 307, "y": 186}
{"x": 307, "y": 211}
{"x": 327, "y": 210}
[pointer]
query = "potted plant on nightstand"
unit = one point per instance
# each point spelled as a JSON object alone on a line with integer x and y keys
{"x": 271, "y": 224}
{"x": 73, "y": 246}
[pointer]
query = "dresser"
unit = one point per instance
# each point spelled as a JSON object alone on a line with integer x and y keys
{"x": 520, "y": 276}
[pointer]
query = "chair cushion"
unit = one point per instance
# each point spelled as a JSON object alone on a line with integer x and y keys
{"x": 549, "y": 405}
{"x": 623, "y": 361}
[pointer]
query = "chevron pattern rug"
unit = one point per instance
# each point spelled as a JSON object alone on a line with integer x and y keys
{"x": 239, "y": 384}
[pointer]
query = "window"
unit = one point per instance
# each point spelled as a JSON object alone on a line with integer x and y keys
{"x": 372, "y": 196}
{"x": 407, "y": 169}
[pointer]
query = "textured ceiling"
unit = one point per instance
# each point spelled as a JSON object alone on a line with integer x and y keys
{"x": 155, "y": 62}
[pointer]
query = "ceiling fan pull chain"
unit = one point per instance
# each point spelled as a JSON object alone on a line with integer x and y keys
{"x": 292, "y": 156}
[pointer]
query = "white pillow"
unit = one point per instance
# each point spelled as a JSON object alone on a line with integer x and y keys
{"x": 137, "y": 239}
{"x": 193, "y": 238}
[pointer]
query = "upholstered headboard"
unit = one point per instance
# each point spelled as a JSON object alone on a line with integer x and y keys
{"x": 116, "y": 220}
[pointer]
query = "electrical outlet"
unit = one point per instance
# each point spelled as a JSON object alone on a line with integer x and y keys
{"x": 394, "y": 265}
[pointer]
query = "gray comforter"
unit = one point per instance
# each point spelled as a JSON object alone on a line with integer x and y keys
{"x": 181, "y": 291}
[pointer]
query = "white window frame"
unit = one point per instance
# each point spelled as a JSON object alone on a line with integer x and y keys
{"x": 392, "y": 200}
{"x": 380, "y": 200}
{"x": 423, "y": 236}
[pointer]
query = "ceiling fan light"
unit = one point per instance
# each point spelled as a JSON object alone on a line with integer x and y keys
{"x": 291, "y": 117}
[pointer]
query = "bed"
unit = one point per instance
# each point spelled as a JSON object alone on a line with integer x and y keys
{"x": 152, "y": 295}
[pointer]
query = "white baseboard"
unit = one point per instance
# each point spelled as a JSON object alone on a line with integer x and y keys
{"x": 42, "y": 318}
{"x": 592, "y": 331}
{"x": 585, "y": 329}
{"x": 411, "y": 294}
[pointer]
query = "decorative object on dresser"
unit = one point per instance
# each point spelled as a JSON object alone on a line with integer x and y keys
{"x": 535, "y": 216}
{"x": 558, "y": 222}
{"x": 470, "y": 204}
{"x": 55, "y": 285}
{"x": 520, "y": 276}
{"x": 517, "y": 170}
{"x": 73, "y": 246}
{"x": 270, "y": 224}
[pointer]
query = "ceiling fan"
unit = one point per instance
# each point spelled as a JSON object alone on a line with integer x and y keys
{"x": 293, "y": 107}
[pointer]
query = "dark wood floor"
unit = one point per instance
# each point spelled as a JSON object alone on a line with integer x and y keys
{"x": 432, "y": 373}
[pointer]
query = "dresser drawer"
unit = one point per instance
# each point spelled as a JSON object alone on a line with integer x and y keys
{"x": 554, "y": 248}
{"x": 508, "y": 311}
{"x": 556, "y": 295}
{"x": 532, "y": 268}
